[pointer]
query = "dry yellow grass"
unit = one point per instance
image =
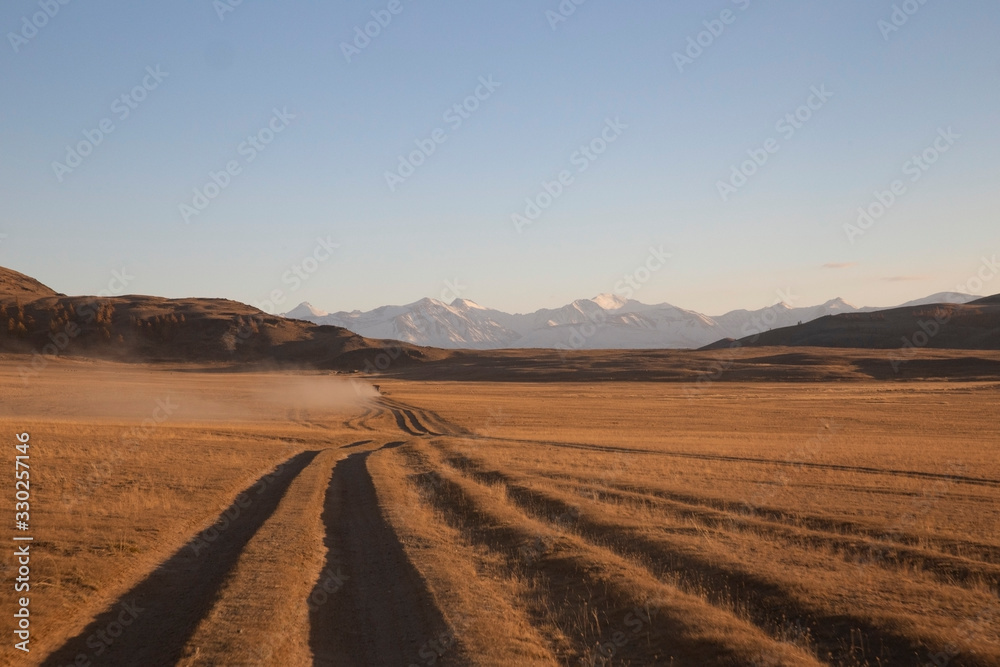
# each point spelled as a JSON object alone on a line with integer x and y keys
{"x": 287, "y": 519}
{"x": 120, "y": 482}
{"x": 284, "y": 555}
{"x": 479, "y": 599}
{"x": 860, "y": 519}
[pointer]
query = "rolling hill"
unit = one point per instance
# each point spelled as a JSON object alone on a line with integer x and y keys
{"x": 971, "y": 326}
{"x": 38, "y": 324}
{"x": 41, "y": 322}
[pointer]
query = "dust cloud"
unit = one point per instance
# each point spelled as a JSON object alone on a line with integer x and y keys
{"x": 137, "y": 394}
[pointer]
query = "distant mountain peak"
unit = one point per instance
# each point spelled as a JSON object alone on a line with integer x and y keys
{"x": 941, "y": 297}
{"x": 428, "y": 301}
{"x": 304, "y": 311}
{"x": 609, "y": 301}
{"x": 20, "y": 286}
{"x": 606, "y": 321}
{"x": 466, "y": 304}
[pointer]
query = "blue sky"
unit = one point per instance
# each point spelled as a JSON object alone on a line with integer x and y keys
{"x": 555, "y": 86}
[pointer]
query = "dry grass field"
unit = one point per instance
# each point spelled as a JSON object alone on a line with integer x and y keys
{"x": 186, "y": 515}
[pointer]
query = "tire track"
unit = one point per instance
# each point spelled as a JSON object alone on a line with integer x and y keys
{"x": 171, "y": 601}
{"x": 271, "y": 580}
{"x": 368, "y": 420}
{"x": 957, "y": 551}
{"x": 888, "y": 472}
{"x": 987, "y": 554}
{"x": 766, "y": 602}
{"x": 384, "y": 612}
{"x": 963, "y": 550}
{"x": 946, "y": 566}
{"x": 599, "y": 580}
{"x": 415, "y": 415}
{"x": 416, "y": 423}
{"x": 359, "y": 443}
{"x": 360, "y": 422}
{"x": 917, "y": 474}
{"x": 401, "y": 423}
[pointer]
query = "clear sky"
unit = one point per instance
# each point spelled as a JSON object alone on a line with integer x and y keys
{"x": 346, "y": 115}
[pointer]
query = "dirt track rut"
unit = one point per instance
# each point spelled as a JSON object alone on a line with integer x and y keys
{"x": 164, "y": 609}
{"x": 385, "y": 613}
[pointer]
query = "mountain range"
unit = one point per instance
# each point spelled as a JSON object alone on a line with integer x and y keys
{"x": 921, "y": 340}
{"x": 604, "y": 322}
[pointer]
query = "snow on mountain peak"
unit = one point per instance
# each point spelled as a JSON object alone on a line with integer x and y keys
{"x": 466, "y": 304}
{"x": 839, "y": 303}
{"x": 304, "y": 311}
{"x": 605, "y": 322}
{"x": 609, "y": 301}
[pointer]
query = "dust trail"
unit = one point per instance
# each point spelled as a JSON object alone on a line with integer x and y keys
{"x": 135, "y": 394}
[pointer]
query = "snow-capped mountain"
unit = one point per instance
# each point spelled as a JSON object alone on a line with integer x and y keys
{"x": 605, "y": 322}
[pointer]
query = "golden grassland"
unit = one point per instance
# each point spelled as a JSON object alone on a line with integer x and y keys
{"x": 297, "y": 518}
{"x": 858, "y": 522}
{"x": 128, "y": 463}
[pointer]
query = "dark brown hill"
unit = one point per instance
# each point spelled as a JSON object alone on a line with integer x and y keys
{"x": 19, "y": 286}
{"x": 970, "y": 326}
{"x": 39, "y": 321}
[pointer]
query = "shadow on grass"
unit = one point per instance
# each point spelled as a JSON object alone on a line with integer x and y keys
{"x": 150, "y": 624}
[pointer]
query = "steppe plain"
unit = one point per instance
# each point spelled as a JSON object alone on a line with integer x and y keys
{"x": 194, "y": 515}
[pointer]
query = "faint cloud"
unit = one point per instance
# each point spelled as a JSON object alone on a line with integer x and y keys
{"x": 902, "y": 279}
{"x": 839, "y": 265}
